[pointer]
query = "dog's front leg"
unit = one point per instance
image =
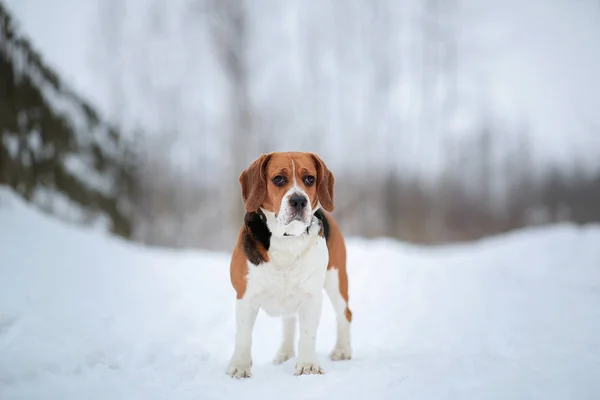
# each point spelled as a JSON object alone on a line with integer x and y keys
{"x": 309, "y": 314}
{"x": 241, "y": 362}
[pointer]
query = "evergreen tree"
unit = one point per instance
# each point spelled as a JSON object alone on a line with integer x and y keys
{"x": 54, "y": 144}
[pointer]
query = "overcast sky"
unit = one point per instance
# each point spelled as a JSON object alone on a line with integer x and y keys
{"x": 535, "y": 62}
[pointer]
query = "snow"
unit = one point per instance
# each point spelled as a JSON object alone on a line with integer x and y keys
{"x": 12, "y": 144}
{"x": 84, "y": 315}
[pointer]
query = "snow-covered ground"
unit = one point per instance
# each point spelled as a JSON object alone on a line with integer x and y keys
{"x": 83, "y": 316}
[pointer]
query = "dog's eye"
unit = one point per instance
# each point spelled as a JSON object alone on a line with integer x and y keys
{"x": 278, "y": 180}
{"x": 309, "y": 180}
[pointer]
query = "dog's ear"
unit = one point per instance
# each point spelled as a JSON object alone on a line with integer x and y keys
{"x": 254, "y": 183}
{"x": 325, "y": 182}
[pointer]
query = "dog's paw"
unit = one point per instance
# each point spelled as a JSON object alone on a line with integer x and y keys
{"x": 283, "y": 355}
{"x": 239, "y": 371}
{"x": 308, "y": 369}
{"x": 340, "y": 354}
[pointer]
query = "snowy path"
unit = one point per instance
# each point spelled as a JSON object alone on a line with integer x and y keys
{"x": 85, "y": 317}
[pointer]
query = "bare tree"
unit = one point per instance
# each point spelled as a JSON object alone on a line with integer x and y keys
{"x": 439, "y": 94}
{"x": 110, "y": 30}
{"x": 229, "y": 28}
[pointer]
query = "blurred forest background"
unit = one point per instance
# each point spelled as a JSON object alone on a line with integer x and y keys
{"x": 442, "y": 120}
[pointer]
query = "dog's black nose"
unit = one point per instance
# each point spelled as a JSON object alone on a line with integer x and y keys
{"x": 298, "y": 201}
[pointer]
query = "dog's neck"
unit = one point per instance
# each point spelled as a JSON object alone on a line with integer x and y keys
{"x": 258, "y": 240}
{"x": 261, "y": 218}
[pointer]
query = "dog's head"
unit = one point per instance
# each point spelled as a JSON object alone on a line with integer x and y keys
{"x": 288, "y": 187}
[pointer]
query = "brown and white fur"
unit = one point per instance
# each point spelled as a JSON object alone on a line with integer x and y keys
{"x": 288, "y": 250}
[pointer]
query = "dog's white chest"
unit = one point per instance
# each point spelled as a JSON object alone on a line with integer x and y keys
{"x": 296, "y": 271}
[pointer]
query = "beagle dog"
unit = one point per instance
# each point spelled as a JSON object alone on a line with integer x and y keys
{"x": 289, "y": 249}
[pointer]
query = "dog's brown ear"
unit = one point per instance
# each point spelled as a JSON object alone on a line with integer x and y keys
{"x": 325, "y": 182}
{"x": 254, "y": 183}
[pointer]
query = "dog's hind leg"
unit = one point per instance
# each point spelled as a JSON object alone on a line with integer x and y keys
{"x": 342, "y": 349}
{"x": 286, "y": 350}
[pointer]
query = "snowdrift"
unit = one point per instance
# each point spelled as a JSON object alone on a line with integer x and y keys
{"x": 86, "y": 316}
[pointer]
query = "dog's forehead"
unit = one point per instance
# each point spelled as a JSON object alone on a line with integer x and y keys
{"x": 289, "y": 161}
{"x": 279, "y": 161}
